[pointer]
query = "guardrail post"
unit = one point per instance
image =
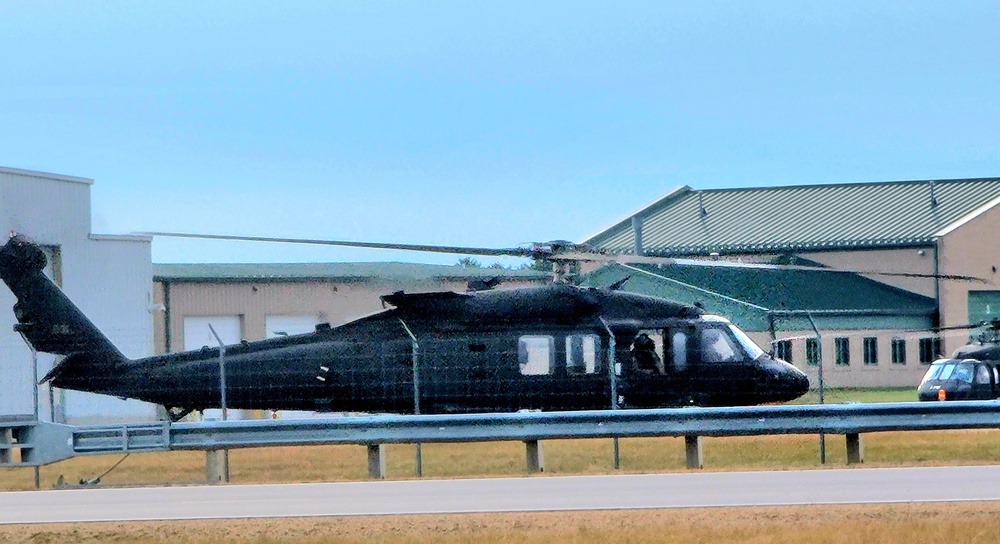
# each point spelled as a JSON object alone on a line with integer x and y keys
{"x": 6, "y": 440}
{"x": 693, "y": 451}
{"x": 535, "y": 455}
{"x": 216, "y": 469}
{"x": 855, "y": 449}
{"x": 376, "y": 461}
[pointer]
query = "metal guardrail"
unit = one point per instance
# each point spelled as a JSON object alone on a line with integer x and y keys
{"x": 42, "y": 443}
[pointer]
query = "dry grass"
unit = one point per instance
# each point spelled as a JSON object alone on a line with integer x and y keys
{"x": 901, "y": 523}
{"x": 889, "y": 524}
{"x": 348, "y": 463}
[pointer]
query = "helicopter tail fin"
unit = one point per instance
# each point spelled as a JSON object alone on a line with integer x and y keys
{"x": 51, "y": 323}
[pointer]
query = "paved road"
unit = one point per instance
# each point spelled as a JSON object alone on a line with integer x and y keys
{"x": 506, "y": 495}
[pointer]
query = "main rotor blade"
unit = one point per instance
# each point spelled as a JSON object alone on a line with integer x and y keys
{"x": 647, "y": 259}
{"x": 993, "y": 324}
{"x": 559, "y": 251}
{"x": 459, "y": 250}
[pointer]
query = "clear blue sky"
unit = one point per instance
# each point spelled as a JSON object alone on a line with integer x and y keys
{"x": 469, "y": 123}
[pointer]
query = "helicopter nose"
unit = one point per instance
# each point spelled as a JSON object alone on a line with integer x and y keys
{"x": 789, "y": 383}
{"x": 798, "y": 380}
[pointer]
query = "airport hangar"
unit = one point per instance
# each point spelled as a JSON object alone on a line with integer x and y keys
{"x": 108, "y": 277}
{"x": 872, "y": 329}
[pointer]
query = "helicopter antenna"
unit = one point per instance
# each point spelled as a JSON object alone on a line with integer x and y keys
{"x": 618, "y": 284}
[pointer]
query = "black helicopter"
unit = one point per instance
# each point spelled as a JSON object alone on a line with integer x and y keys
{"x": 971, "y": 373}
{"x": 556, "y": 347}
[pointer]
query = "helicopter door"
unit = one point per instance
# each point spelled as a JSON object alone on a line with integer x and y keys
{"x": 582, "y": 382}
{"x": 983, "y": 384}
{"x": 659, "y": 365}
{"x": 464, "y": 373}
{"x": 684, "y": 366}
{"x": 560, "y": 370}
{"x": 724, "y": 369}
{"x": 995, "y": 376}
{"x": 647, "y": 352}
{"x": 679, "y": 352}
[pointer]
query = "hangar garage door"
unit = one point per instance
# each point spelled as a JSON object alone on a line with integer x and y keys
{"x": 286, "y": 325}
{"x": 197, "y": 334}
{"x": 983, "y": 306}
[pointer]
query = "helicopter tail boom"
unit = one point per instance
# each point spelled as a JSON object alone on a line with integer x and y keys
{"x": 48, "y": 321}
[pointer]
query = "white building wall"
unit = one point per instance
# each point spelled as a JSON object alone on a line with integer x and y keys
{"x": 108, "y": 277}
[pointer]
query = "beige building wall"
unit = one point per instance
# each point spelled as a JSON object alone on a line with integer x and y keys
{"x": 969, "y": 249}
{"x": 334, "y": 302}
{"x": 916, "y": 260}
{"x": 857, "y": 374}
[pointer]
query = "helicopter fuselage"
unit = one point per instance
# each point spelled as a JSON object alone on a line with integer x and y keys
{"x": 530, "y": 349}
{"x": 972, "y": 372}
{"x": 557, "y": 347}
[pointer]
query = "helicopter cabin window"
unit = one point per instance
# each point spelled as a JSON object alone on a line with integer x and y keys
{"x": 581, "y": 353}
{"x": 718, "y": 347}
{"x": 929, "y": 349}
{"x": 783, "y": 350}
{"x": 647, "y": 351}
{"x": 812, "y": 351}
{"x": 871, "y": 350}
{"x": 898, "y": 351}
{"x": 678, "y": 350}
{"x": 534, "y": 354}
{"x": 842, "y": 348}
{"x": 982, "y": 375}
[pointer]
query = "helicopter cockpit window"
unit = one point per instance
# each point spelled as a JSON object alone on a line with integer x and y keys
{"x": 718, "y": 347}
{"x": 962, "y": 373}
{"x": 581, "y": 353}
{"x": 534, "y": 354}
{"x": 749, "y": 346}
{"x": 957, "y": 371}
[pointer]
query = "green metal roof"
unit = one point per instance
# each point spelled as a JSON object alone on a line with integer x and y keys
{"x": 798, "y": 218}
{"x": 234, "y": 272}
{"x": 748, "y": 294}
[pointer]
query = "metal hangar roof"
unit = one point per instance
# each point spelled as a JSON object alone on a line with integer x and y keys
{"x": 802, "y": 218}
{"x": 750, "y": 294}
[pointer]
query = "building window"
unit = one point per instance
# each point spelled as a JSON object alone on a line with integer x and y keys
{"x": 930, "y": 348}
{"x": 535, "y": 355}
{"x": 783, "y": 350}
{"x": 812, "y": 351}
{"x": 842, "y": 346}
{"x": 871, "y": 350}
{"x": 898, "y": 351}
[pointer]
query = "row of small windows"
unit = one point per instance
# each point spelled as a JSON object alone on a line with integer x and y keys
{"x": 535, "y": 354}
{"x": 929, "y": 348}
